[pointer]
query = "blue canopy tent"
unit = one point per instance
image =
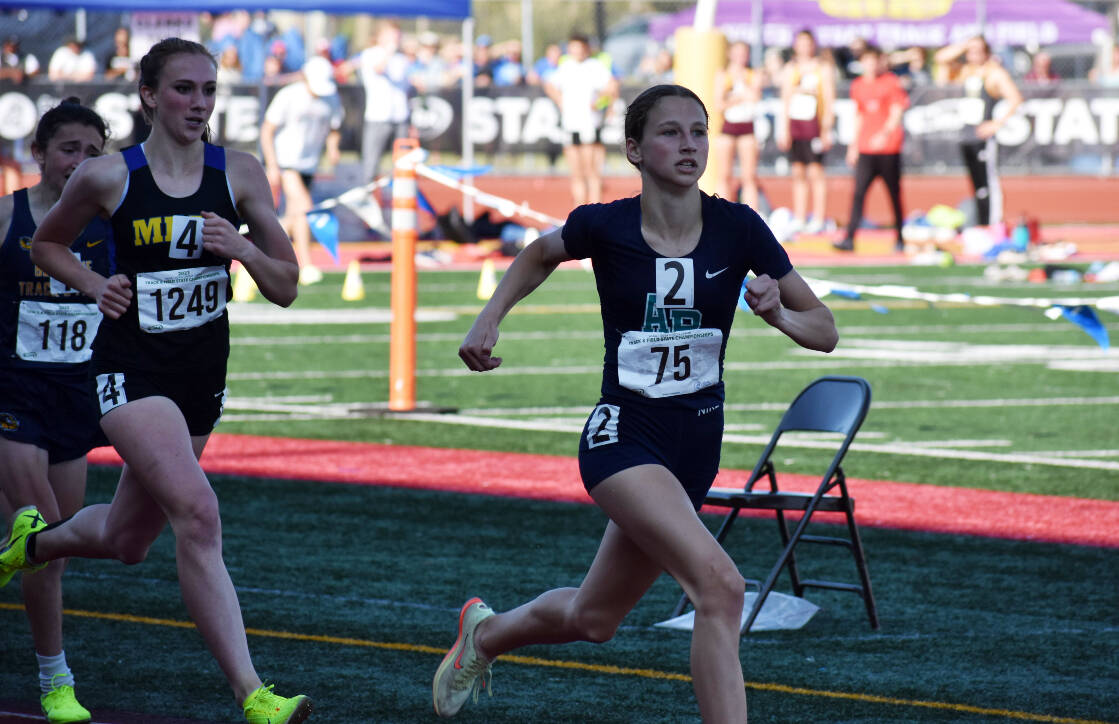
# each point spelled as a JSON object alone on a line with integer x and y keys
{"x": 409, "y": 8}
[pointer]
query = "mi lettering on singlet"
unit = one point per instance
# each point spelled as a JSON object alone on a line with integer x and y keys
{"x": 184, "y": 233}
{"x": 673, "y": 354}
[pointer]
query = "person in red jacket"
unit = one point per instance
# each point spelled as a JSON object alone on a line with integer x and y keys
{"x": 875, "y": 152}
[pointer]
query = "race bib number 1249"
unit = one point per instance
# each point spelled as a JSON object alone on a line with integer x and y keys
{"x": 171, "y": 301}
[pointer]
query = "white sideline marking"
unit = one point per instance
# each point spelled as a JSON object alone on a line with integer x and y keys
{"x": 597, "y": 334}
{"x": 956, "y": 353}
{"x": 385, "y": 338}
{"x": 1082, "y": 453}
{"x": 245, "y": 313}
{"x": 781, "y": 406}
{"x": 872, "y": 355}
{"x": 900, "y": 448}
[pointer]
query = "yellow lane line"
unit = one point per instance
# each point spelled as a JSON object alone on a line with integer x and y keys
{"x": 582, "y": 666}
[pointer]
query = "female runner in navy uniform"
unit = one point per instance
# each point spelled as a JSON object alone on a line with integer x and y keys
{"x": 48, "y": 419}
{"x": 159, "y": 359}
{"x": 669, "y": 265}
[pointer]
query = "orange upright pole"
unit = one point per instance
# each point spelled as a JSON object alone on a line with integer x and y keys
{"x": 402, "y": 343}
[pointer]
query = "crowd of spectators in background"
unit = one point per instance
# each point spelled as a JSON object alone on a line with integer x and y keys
{"x": 251, "y": 49}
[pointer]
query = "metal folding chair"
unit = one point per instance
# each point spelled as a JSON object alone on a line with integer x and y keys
{"x": 830, "y": 404}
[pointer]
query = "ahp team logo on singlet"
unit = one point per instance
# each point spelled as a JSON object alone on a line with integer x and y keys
{"x": 672, "y": 354}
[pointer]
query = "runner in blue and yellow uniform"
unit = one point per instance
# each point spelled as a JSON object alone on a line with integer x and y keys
{"x": 159, "y": 358}
{"x": 669, "y": 265}
{"x": 48, "y": 420}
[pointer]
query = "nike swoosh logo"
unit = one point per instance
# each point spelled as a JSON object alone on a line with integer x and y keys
{"x": 93, "y": 243}
{"x": 712, "y": 275}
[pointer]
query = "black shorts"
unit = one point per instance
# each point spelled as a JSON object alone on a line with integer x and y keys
{"x": 199, "y": 394}
{"x": 580, "y": 138}
{"x": 810, "y": 150}
{"x": 53, "y": 412}
{"x": 306, "y": 178}
{"x": 621, "y": 434}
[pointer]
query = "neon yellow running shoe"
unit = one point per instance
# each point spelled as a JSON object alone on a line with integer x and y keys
{"x": 463, "y": 672}
{"x": 13, "y": 554}
{"x": 264, "y": 707}
{"x": 61, "y": 706}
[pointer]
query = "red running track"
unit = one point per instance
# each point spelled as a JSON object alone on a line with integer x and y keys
{"x": 904, "y": 506}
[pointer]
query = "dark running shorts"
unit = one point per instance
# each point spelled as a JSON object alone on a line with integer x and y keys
{"x": 807, "y": 151}
{"x": 199, "y": 395}
{"x": 578, "y": 138}
{"x": 621, "y": 434}
{"x": 745, "y": 128}
{"x": 55, "y": 413}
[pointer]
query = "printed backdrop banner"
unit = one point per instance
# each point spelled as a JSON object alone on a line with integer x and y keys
{"x": 897, "y": 23}
{"x": 1066, "y": 127}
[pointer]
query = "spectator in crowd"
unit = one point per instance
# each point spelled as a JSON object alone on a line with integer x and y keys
{"x": 1106, "y": 70}
{"x": 848, "y": 60}
{"x": 545, "y": 66}
{"x": 15, "y": 65}
{"x": 409, "y": 47}
{"x": 1041, "y": 69}
{"x": 484, "y": 61}
{"x": 229, "y": 27}
{"x": 428, "y": 72}
{"x": 383, "y": 71}
{"x": 252, "y": 48}
{"x": 584, "y": 89}
{"x": 773, "y": 71}
{"x": 275, "y": 65}
{"x": 909, "y": 66}
{"x": 509, "y": 69}
{"x": 295, "y": 53}
{"x": 452, "y": 54}
{"x": 72, "y": 62}
{"x": 983, "y": 77}
{"x": 947, "y": 70}
{"x": 738, "y": 89}
{"x": 302, "y": 120}
{"x": 120, "y": 65}
{"x": 880, "y": 100}
{"x": 808, "y": 101}
{"x": 656, "y": 68}
{"x": 229, "y": 68}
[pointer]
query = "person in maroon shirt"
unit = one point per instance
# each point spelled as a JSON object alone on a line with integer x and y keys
{"x": 875, "y": 152}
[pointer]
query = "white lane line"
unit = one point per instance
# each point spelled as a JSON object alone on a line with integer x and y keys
{"x": 386, "y": 338}
{"x": 534, "y": 371}
{"x": 245, "y": 313}
{"x": 876, "y": 405}
{"x": 985, "y": 330}
{"x": 901, "y": 448}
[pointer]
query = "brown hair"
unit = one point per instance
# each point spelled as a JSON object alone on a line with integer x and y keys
{"x": 70, "y": 110}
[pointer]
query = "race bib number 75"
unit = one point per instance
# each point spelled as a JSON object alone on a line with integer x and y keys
{"x": 171, "y": 301}
{"x": 663, "y": 364}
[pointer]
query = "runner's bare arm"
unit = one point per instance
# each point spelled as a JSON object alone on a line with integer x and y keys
{"x": 792, "y": 307}
{"x": 91, "y": 190}
{"x": 531, "y": 267}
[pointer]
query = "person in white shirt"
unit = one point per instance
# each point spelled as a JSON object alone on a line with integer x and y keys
{"x": 302, "y": 119}
{"x": 584, "y": 89}
{"x": 72, "y": 62}
{"x": 383, "y": 71}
